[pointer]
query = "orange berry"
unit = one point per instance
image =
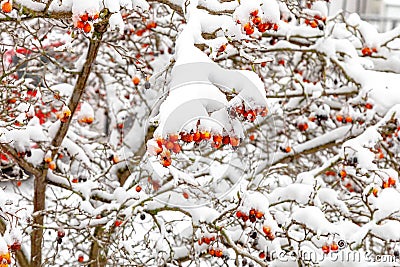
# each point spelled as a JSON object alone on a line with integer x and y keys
{"x": 349, "y": 119}
{"x": 254, "y": 13}
{"x": 343, "y": 173}
{"x": 261, "y": 255}
{"x": 391, "y": 181}
{"x": 52, "y": 165}
{"x": 87, "y": 27}
{"x": 211, "y": 251}
{"x": 115, "y": 159}
{"x": 84, "y": 17}
{"x": 368, "y": 106}
{"x": 375, "y": 191}
{"x": 334, "y": 246}
{"x": 288, "y": 149}
{"x": 248, "y": 28}
{"x": 256, "y": 20}
{"x": 314, "y": 24}
{"x": 166, "y": 162}
{"x": 234, "y": 141}
{"x": 6, "y": 7}
{"x": 117, "y": 223}
{"x": 136, "y": 80}
{"x": 366, "y": 51}
{"x": 218, "y": 253}
{"x": 197, "y": 136}
{"x": 138, "y": 188}
{"x": 205, "y": 135}
{"x": 75, "y": 180}
{"x": 339, "y": 118}
{"x": 177, "y": 148}
{"x": 19, "y": 183}
{"x": 267, "y": 230}
{"x": 259, "y": 214}
{"x": 385, "y": 184}
{"x": 325, "y": 249}
{"x": 186, "y": 196}
{"x": 169, "y": 145}
{"x": 173, "y": 138}
{"x": 217, "y": 139}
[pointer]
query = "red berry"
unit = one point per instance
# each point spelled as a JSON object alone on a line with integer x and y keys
{"x": 81, "y": 258}
{"x": 6, "y": 7}
{"x": 87, "y": 27}
{"x": 254, "y": 13}
{"x": 84, "y": 17}
{"x": 334, "y": 246}
{"x": 325, "y": 249}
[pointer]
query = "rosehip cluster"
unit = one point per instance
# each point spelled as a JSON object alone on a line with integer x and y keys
{"x": 317, "y": 21}
{"x": 171, "y": 143}
{"x": 253, "y": 215}
{"x": 250, "y": 114}
{"x": 332, "y": 247}
{"x": 84, "y": 22}
{"x": 206, "y": 240}
{"x": 216, "y": 252}
{"x": 391, "y": 182}
{"x": 256, "y": 21}
{"x": 268, "y": 232}
{"x": 367, "y": 51}
{"x": 342, "y": 119}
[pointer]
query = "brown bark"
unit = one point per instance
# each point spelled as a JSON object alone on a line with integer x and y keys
{"x": 39, "y": 198}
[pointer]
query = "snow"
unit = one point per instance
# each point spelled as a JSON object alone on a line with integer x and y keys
{"x": 387, "y": 204}
{"x": 314, "y": 218}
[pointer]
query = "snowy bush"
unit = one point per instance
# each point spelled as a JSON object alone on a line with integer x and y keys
{"x": 197, "y": 133}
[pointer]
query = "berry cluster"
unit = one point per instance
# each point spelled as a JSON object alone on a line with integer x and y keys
{"x": 342, "y": 119}
{"x": 249, "y": 114}
{"x": 367, "y": 51}
{"x": 84, "y": 22}
{"x": 253, "y": 215}
{"x": 390, "y": 182}
{"x": 216, "y": 252}
{"x": 64, "y": 114}
{"x": 332, "y": 247}
{"x": 206, "y": 240}
{"x": 171, "y": 143}
{"x": 268, "y": 233}
{"x": 315, "y": 22}
{"x": 256, "y": 22}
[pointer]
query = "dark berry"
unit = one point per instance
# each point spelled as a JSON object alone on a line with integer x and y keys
{"x": 142, "y": 216}
{"x": 147, "y": 85}
{"x": 253, "y": 234}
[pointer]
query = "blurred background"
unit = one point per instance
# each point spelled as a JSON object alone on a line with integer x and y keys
{"x": 384, "y": 14}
